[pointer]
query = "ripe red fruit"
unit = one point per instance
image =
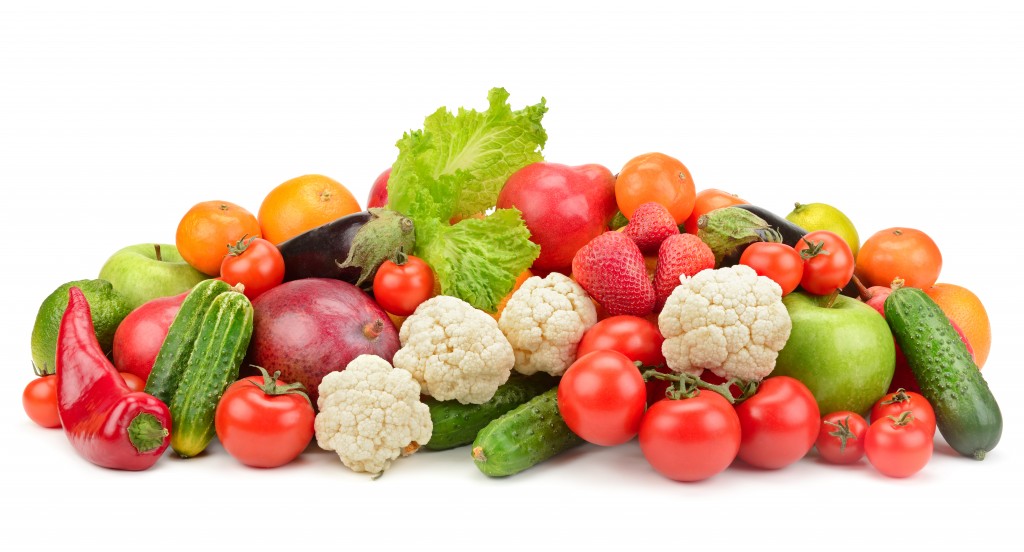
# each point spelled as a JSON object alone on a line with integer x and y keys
{"x": 611, "y": 268}
{"x": 650, "y": 225}
{"x": 678, "y": 255}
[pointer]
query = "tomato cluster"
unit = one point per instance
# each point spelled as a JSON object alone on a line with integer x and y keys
{"x": 695, "y": 432}
{"x": 823, "y": 264}
{"x": 898, "y": 442}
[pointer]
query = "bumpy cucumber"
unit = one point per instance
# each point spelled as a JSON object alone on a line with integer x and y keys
{"x": 456, "y": 424}
{"x": 523, "y": 437}
{"x": 966, "y": 413}
{"x": 181, "y": 337}
{"x": 223, "y": 338}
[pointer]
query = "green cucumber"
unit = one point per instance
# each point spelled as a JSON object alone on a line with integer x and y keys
{"x": 966, "y": 413}
{"x": 456, "y": 424}
{"x": 181, "y": 336}
{"x": 223, "y": 338}
{"x": 523, "y": 437}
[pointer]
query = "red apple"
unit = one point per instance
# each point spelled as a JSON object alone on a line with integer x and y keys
{"x": 564, "y": 208}
{"x": 379, "y": 191}
{"x": 139, "y": 336}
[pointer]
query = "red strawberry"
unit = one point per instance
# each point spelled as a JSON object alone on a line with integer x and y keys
{"x": 611, "y": 268}
{"x": 682, "y": 254}
{"x": 650, "y": 225}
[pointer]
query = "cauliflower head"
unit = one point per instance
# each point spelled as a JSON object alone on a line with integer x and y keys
{"x": 454, "y": 351}
{"x": 544, "y": 320}
{"x": 370, "y": 414}
{"x": 729, "y": 320}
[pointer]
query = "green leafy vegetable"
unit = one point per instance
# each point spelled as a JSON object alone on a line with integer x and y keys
{"x": 454, "y": 168}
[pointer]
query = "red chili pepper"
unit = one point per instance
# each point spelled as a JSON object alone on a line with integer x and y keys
{"x": 107, "y": 423}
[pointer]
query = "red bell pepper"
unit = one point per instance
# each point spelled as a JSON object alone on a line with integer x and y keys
{"x": 107, "y": 423}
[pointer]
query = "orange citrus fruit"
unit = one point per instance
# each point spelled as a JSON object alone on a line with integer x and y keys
{"x": 963, "y": 307}
{"x": 208, "y": 228}
{"x": 302, "y": 204}
{"x": 659, "y": 178}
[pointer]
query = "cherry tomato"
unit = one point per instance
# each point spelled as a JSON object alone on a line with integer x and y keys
{"x": 828, "y": 262}
{"x": 779, "y": 423}
{"x": 690, "y": 439}
{"x": 255, "y": 263}
{"x": 841, "y": 438}
{"x": 706, "y": 201}
{"x": 135, "y": 383}
{"x": 263, "y": 422}
{"x": 40, "y": 401}
{"x": 900, "y": 447}
{"x": 400, "y": 288}
{"x": 659, "y": 178}
{"x": 602, "y": 398}
{"x": 777, "y": 261}
{"x": 897, "y": 402}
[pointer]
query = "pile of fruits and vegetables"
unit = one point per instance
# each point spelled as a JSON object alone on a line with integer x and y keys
{"x": 492, "y": 300}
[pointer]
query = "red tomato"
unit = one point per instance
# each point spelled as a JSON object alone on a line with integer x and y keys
{"x": 779, "y": 423}
{"x": 602, "y": 398}
{"x": 40, "y": 401}
{"x": 841, "y": 438}
{"x": 135, "y": 383}
{"x": 706, "y": 201}
{"x": 777, "y": 261}
{"x": 898, "y": 448}
{"x": 255, "y": 263}
{"x": 261, "y": 429}
{"x": 400, "y": 288}
{"x": 901, "y": 400}
{"x": 824, "y": 272}
{"x": 690, "y": 439}
{"x": 637, "y": 338}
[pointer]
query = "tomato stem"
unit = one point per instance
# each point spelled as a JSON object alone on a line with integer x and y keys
{"x": 686, "y": 386}
{"x": 900, "y": 396}
{"x": 842, "y": 432}
{"x": 270, "y": 385}
{"x": 813, "y": 249}
{"x": 240, "y": 246}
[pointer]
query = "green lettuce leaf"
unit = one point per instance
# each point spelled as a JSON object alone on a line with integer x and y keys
{"x": 457, "y": 164}
{"x": 478, "y": 260}
{"x": 454, "y": 168}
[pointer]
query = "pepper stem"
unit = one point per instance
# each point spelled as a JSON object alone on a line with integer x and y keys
{"x": 146, "y": 433}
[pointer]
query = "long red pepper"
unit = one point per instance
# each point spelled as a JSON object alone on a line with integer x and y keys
{"x": 106, "y": 422}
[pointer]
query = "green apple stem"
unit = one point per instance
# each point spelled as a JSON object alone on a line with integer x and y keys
{"x": 156, "y": 248}
{"x": 832, "y": 299}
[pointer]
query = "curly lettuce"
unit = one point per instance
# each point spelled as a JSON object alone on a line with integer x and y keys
{"x": 454, "y": 168}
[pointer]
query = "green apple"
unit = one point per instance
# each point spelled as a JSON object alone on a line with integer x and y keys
{"x": 844, "y": 352}
{"x": 147, "y": 271}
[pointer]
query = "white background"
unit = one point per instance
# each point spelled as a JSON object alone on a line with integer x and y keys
{"x": 116, "y": 118}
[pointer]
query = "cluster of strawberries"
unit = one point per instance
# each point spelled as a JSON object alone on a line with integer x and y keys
{"x": 614, "y": 266}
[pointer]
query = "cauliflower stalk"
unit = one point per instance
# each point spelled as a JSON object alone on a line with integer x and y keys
{"x": 370, "y": 414}
{"x": 454, "y": 351}
{"x": 544, "y": 321}
{"x": 729, "y": 320}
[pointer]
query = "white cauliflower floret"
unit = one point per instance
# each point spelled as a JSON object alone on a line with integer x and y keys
{"x": 454, "y": 351}
{"x": 370, "y": 414}
{"x": 730, "y": 321}
{"x": 544, "y": 321}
